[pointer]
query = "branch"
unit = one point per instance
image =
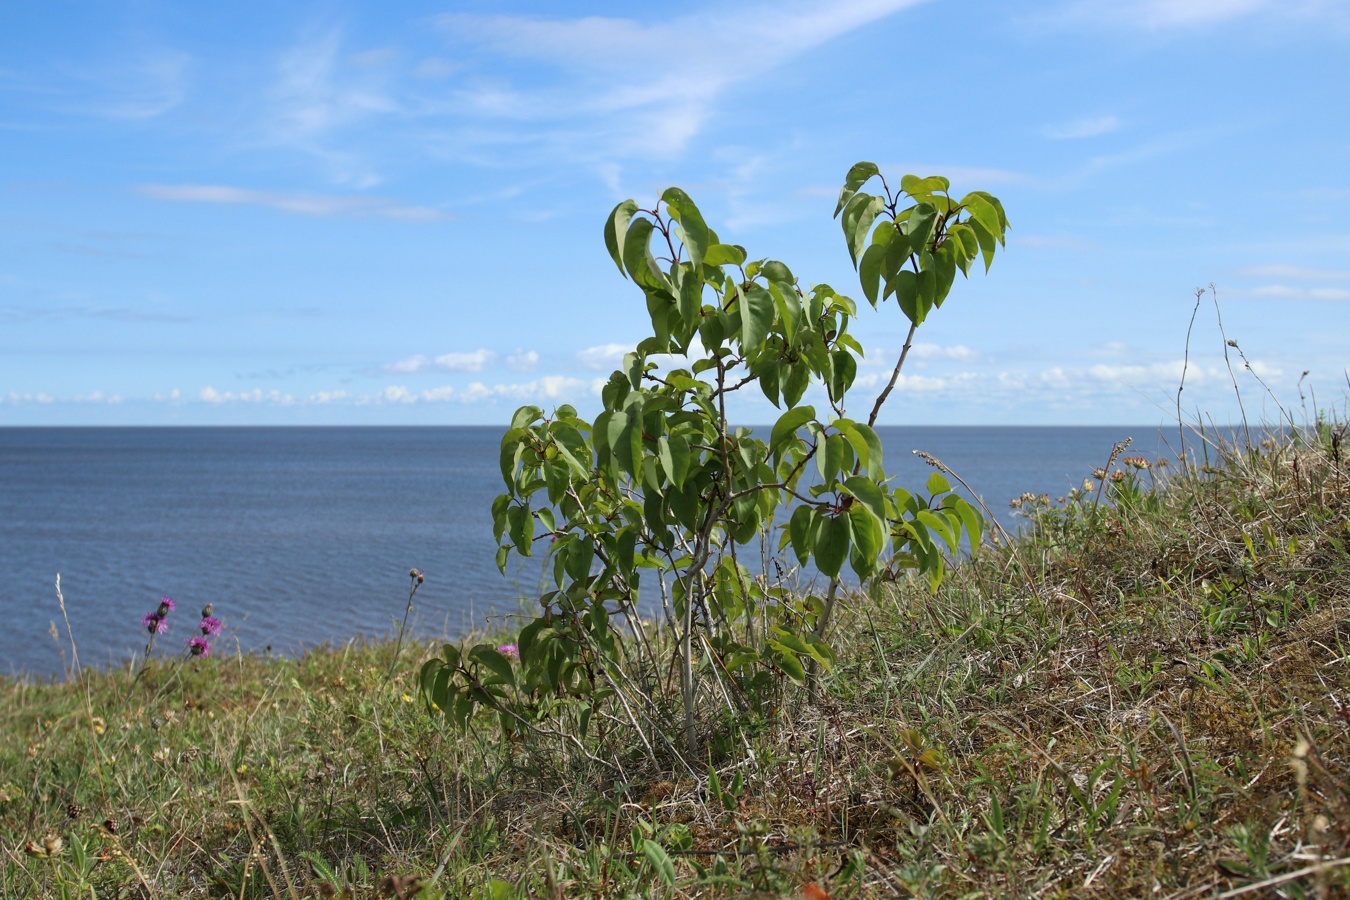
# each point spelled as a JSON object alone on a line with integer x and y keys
{"x": 890, "y": 385}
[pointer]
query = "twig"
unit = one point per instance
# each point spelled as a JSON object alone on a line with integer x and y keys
{"x": 1287, "y": 876}
{"x": 74, "y": 654}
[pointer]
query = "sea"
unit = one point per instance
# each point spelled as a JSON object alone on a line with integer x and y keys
{"x": 305, "y": 536}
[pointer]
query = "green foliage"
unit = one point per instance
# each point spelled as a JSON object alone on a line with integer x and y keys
{"x": 659, "y": 489}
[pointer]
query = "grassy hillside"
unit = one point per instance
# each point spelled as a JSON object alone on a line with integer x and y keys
{"x": 1146, "y": 695}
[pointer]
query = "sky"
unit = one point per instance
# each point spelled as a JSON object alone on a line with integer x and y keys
{"x": 346, "y": 214}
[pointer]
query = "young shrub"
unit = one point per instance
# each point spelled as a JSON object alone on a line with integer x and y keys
{"x": 659, "y": 489}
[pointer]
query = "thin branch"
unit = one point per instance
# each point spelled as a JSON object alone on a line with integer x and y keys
{"x": 895, "y": 376}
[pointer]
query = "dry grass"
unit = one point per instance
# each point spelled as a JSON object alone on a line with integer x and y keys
{"x": 1143, "y": 697}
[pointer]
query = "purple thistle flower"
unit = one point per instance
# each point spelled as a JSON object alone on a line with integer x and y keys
{"x": 210, "y": 625}
{"x": 510, "y": 651}
{"x": 154, "y": 623}
{"x": 166, "y": 606}
{"x": 199, "y": 646}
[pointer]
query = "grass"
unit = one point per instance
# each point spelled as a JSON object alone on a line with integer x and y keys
{"x": 1148, "y": 694}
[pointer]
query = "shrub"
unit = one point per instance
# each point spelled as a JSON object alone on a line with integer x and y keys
{"x": 660, "y": 490}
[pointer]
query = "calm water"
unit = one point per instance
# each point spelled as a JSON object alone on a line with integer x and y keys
{"x": 306, "y": 535}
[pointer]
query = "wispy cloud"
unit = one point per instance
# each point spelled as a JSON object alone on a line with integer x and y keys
{"x": 1082, "y": 128}
{"x": 1158, "y": 14}
{"x": 471, "y": 361}
{"x": 543, "y": 389}
{"x": 924, "y": 352}
{"x": 610, "y": 94}
{"x": 16, "y": 398}
{"x": 214, "y": 397}
{"x": 1290, "y": 292}
{"x": 523, "y": 360}
{"x": 299, "y": 204}
{"x": 603, "y": 357}
{"x": 321, "y": 91}
{"x": 1297, "y": 273}
{"x": 144, "y": 88}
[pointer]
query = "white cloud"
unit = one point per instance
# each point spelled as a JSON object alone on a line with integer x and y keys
{"x": 300, "y": 204}
{"x": 143, "y": 88}
{"x": 523, "y": 360}
{"x": 1082, "y": 128}
{"x": 603, "y": 356}
{"x": 210, "y": 395}
{"x": 98, "y": 397}
{"x": 542, "y": 389}
{"x": 1297, "y": 273}
{"x": 936, "y": 351}
{"x": 916, "y": 383}
{"x": 1291, "y": 292}
{"x": 409, "y": 365}
{"x": 611, "y": 93}
{"x": 322, "y": 397}
{"x": 471, "y": 361}
{"x": 15, "y": 398}
{"x": 1159, "y": 14}
{"x": 439, "y": 394}
{"x": 886, "y": 356}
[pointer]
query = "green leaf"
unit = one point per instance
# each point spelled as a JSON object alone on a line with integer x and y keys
{"x": 984, "y": 212}
{"x": 869, "y": 494}
{"x": 859, "y": 215}
{"x": 580, "y": 554}
{"x": 937, "y": 484}
{"x": 625, "y": 546}
{"x": 831, "y": 461}
{"x": 619, "y": 433}
{"x": 866, "y": 444}
{"x": 520, "y": 526}
{"x": 944, "y": 271}
{"x": 767, "y": 373}
{"x": 693, "y": 230}
{"x": 845, "y": 370}
{"x": 526, "y": 416}
{"x": 873, "y": 261}
{"x": 756, "y": 317}
{"x": 789, "y": 663}
{"x": 660, "y": 861}
{"x": 724, "y": 254}
{"x": 919, "y": 226}
{"x": 799, "y": 532}
{"x": 499, "y": 665}
{"x": 914, "y": 185}
{"x": 832, "y": 544}
{"x": 905, "y": 286}
{"x": 986, "y": 240}
{"x": 616, "y": 230}
{"x": 937, "y": 523}
{"x": 969, "y": 515}
{"x": 868, "y": 541}
{"x": 857, "y": 176}
{"x": 691, "y": 292}
{"x": 787, "y": 426}
{"x": 795, "y": 383}
{"x": 637, "y": 254}
{"x": 789, "y": 307}
{"x": 679, "y": 459}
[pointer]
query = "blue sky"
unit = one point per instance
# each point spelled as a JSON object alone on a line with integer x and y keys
{"x": 361, "y": 214}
